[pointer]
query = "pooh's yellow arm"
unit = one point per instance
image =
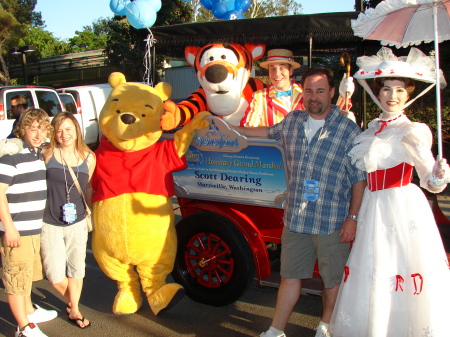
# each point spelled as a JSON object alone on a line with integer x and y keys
{"x": 183, "y": 137}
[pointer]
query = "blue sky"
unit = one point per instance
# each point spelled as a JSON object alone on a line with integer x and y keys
{"x": 68, "y": 16}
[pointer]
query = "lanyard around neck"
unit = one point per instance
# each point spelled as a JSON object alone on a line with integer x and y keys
{"x": 64, "y": 163}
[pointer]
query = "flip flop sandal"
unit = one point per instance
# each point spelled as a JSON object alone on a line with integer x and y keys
{"x": 76, "y": 320}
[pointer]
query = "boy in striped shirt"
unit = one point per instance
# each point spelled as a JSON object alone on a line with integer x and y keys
{"x": 23, "y": 192}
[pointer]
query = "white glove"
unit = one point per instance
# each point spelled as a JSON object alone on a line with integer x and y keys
{"x": 349, "y": 114}
{"x": 440, "y": 175}
{"x": 346, "y": 85}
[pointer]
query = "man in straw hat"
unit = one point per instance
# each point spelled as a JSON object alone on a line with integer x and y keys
{"x": 271, "y": 104}
{"x": 323, "y": 198}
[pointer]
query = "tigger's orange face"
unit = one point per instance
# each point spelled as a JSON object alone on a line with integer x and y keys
{"x": 223, "y": 71}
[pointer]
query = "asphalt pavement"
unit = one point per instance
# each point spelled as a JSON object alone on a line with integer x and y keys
{"x": 248, "y": 316}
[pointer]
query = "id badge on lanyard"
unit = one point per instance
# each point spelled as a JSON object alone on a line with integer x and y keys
{"x": 311, "y": 189}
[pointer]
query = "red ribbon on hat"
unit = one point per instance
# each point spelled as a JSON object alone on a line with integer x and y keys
{"x": 277, "y": 58}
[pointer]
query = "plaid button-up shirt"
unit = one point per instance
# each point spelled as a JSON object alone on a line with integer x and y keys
{"x": 325, "y": 159}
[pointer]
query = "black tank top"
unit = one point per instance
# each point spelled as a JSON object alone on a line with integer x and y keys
{"x": 56, "y": 191}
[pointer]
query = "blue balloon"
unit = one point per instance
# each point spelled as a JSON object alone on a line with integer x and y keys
{"x": 156, "y": 4}
{"x": 242, "y": 5}
{"x": 208, "y": 4}
{"x": 118, "y": 7}
{"x": 229, "y": 4}
{"x": 219, "y": 10}
{"x": 142, "y": 14}
{"x": 233, "y": 15}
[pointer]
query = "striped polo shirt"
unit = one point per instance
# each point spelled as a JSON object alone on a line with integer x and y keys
{"x": 27, "y": 191}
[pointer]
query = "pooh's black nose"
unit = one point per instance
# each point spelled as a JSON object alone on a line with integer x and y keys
{"x": 128, "y": 119}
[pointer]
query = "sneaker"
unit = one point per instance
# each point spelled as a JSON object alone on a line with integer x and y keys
{"x": 31, "y": 330}
{"x": 269, "y": 333}
{"x": 41, "y": 315}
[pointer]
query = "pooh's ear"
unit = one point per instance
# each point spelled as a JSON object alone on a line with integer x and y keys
{"x": 164, "y": 90}
{"x": 116, "y": 78}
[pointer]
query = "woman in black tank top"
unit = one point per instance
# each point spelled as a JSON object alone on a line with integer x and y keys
{"x": 60, "y": 229}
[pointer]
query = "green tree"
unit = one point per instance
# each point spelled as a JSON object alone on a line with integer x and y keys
{"x": 124, "y": 49}
{"x": 173, "y": 12}
{"x": 11, "y": 32}
{"x": 126, "y": 46}
{"x": 23, "y": 11}
{"x": 46, "y": 44}
{"x": 91, "y": 37}
{"x": 268, "y": 8}
{"x": 258, "y": 9}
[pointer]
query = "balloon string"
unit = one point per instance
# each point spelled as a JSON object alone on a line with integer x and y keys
{"x": 150, "y": 41}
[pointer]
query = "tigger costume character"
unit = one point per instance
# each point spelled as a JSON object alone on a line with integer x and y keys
{"x": 223, "y": 71}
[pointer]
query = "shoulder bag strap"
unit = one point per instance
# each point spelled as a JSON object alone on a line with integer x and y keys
{"x": 77, "y": 184}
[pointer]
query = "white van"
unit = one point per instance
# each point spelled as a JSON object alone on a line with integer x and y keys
{"x": 89, "y": 100}
{"x": 44, "y": 98}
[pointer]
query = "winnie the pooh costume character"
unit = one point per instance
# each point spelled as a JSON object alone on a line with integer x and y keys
{"x": 134, "y": 235}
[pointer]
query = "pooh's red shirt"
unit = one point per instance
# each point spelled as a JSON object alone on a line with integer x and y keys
{"x": 148, "y": 170}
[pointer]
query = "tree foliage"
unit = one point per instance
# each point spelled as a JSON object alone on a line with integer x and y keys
{"x": 11, "y": 32}
{"x": 91, "y": 37}
{"x": 125, "y": 45}
{"x": 23, "y": 11}
{"x": 46, "y": 44}
{"x": 258, "y": 9}
{"x": 268, "y": 8}
{"x": 173, "y": 12}
{"x": 124, "y": 49}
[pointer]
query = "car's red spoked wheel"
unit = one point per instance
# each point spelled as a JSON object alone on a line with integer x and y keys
{"x": 209, "y": 260}
{"x": 214, "y": 262}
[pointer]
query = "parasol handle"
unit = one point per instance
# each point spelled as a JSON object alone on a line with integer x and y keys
{"x": 345, "y": 60}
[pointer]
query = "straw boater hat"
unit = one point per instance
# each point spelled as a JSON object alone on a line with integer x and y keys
{"x": 416, "y": 65}
{"x": 279, "y": 56}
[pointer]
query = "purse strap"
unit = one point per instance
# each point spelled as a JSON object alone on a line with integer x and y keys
{"x": 77, "y": 184}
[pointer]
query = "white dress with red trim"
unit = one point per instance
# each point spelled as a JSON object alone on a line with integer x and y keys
{"x": 397, "y": 279}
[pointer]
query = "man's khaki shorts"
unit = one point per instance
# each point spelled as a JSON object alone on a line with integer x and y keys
{"x": 21, "y": 265}
{"x": 299, "y": 253}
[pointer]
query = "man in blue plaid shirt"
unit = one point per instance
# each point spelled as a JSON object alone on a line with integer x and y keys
{"x": 324, "y": 196}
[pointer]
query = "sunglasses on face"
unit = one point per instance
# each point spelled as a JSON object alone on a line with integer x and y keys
{"x": 14, "y": 106}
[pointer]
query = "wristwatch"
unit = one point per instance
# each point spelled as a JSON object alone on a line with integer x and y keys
{"x": 353, "y": 217}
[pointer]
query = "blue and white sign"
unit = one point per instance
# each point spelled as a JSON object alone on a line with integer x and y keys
{"x": 226, "y": 166}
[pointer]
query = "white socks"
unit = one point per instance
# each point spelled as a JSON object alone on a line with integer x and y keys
{"x": 322, "y": 330}
{"x": 272, "y": 332}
